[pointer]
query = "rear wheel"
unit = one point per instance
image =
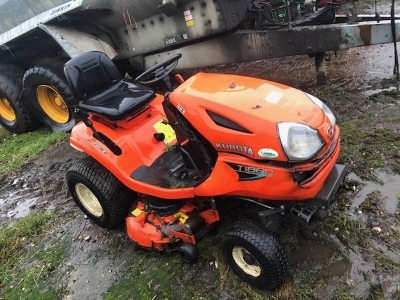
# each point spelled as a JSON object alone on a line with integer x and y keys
{"x": 49, "y": 94}
{"x": 98, "y": 193}
{"x": 15, "y": 113}
{"x": 255, "y": 255}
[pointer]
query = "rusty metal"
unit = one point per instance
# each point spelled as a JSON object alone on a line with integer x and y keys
{"x": 256, "y": 45}
{"x": 138, "y": 30}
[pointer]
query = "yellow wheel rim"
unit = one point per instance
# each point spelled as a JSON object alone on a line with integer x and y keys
{"x": 89, "y": 200}
{"x": 252, "y": 269}
{"x": 6, "y": 111}
{"x": 52, "y": 104}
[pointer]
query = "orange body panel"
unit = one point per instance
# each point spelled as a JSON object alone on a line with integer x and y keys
{"x": 138, "y": 148}
{"x": 278, "y": 184}
{"x": 256, "y": 105}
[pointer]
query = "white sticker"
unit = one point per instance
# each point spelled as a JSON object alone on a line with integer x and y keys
{"x": 274, "y": 97}
{"x": 268, "y": 153}
{"x": 186, "y": 13}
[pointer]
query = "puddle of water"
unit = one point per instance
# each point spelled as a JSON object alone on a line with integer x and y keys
{"x": 337, "y": 268}
{"x": 22, "y": 209}
{"x": 311, "y": 250}
{"x": 369, "y": 93}
{"x": 14, "y": 195}
{"x": 390, "y": 190}
{"x": 360, "y": 272}
{"x": 385, "y": 250}
{"x": 318, "y": 253}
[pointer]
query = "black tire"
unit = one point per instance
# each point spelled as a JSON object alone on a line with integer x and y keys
{"x": 98, "y": 193}
{"x": 15, "y": 113}
{"x": 256, "y": 256}
{"x": 189, "y": 253}
{"x": 251, "y": 224}
{"x": 49, "y": 95}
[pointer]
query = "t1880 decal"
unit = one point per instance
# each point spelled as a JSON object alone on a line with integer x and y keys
{"x": 251, "y": 173}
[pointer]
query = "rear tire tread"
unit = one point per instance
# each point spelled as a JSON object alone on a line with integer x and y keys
{"x": 51, "y": 73}
{"x": 115, "y": 198}
{"x": 11, "y": 85}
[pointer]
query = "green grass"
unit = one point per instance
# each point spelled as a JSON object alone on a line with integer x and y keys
{"x": 152, "y": 275}
{"x": 16, "y": 150}
{"x": 364, "y": 149}
{"x": 27, "y": 262}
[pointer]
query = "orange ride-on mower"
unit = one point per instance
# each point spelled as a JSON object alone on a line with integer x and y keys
{"x": 165, "y": 164}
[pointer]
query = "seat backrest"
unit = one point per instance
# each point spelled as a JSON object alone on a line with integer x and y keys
{"x": 91, "y": 73}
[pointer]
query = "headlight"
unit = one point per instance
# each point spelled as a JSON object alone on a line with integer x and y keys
{"x": 324, "y": 108}
{"x": 299, "y": 141}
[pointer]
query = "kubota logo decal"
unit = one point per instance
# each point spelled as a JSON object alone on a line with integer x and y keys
{"x": 97, "y": 146}
{"x": 237, "y": 148}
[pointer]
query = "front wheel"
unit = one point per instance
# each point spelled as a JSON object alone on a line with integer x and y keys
{"x": 49, "y": 94}
{"x": 256, "y": 256}
{"x": 98, "y": 193}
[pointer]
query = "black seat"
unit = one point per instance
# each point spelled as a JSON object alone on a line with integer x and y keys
{"x": 98, "y": 87}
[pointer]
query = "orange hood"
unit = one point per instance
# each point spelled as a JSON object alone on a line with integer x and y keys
{"x": 253, "y": 104}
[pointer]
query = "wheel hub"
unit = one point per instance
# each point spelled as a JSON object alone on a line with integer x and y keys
{"x": 6, "y": 111}
{"x": 246, "y": 261}
{"x": 58, "y": 101}
{"x": 52, "y": 104}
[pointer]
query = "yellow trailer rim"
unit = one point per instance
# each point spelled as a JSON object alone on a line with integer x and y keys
{"x": 52, "y": 104}
{"x": 6, "y": 111}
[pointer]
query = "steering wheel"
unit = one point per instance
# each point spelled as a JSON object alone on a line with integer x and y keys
{"x": 158, "y": 71}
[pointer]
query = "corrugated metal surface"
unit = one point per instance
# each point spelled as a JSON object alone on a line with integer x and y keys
{"x": 139, "y": 9}
{"x": 135, "y": 26}
{"x": 15, "y": 12}
{"x": 17, "y": 17}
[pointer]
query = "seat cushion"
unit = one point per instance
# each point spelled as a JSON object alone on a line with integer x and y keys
{"x": 118, "y": 101}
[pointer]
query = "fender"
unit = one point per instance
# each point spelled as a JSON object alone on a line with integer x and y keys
{"x": 70, "y": 39}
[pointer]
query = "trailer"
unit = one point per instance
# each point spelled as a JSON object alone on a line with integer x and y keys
{"x": 38, "y": 37}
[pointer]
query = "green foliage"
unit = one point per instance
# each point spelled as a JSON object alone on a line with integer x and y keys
{"x": 12, "y": 237}
{"x": 144, "y": 283}
{"x": 16, "y": 150}
{"x": 364, "y": 149}
{"x": 25, "y": 264}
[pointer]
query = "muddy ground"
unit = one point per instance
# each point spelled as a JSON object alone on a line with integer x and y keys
{"x": 354, "y": 254}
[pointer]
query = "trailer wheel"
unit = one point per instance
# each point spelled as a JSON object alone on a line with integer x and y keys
{"x": 15, "y": 113}
{"x": 98, "y": 193}
{"x": 255, "y": 256}
{"x": 49, "y": 94}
